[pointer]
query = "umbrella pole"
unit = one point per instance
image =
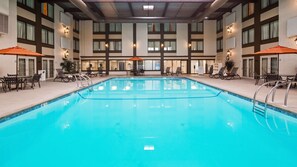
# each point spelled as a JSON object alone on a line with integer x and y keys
{"x": 17, "y": 60}
{"x": 278, "y": 63}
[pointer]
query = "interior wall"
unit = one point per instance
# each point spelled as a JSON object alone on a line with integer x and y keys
{"x": 8, "y": 62}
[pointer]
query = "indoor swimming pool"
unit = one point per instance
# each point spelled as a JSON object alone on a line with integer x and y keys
{"x": 148, "y": 122}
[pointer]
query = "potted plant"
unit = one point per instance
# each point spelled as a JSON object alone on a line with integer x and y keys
{"x": 229, "y": 64}
{"x": 68, "y": 66}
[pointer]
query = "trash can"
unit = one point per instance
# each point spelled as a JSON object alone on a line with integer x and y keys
{"x": 43, "y": 75}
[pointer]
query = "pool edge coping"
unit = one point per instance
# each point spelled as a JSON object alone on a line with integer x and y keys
{"x": 58, "y": 97}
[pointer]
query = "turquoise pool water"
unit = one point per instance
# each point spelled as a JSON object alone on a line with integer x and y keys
{"x": 148, "y": 122}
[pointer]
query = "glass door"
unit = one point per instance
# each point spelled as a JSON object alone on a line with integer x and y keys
{"x": 248, "y": 67}
{"x": 31, "y": 67}
{"x": 22, "y": 67}
{"x": 51, "y": 68}
{"x": 45, "y": 67}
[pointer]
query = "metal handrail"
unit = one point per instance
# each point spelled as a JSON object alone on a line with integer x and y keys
{"x": 287, "y": 92}
{"x": 260, "y": 87}
{"x": 273, "y": 91}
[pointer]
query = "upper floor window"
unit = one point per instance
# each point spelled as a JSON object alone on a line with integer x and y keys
{"x": 197, "y": 27}
{"x": 170, "y": 46}
{"x": 75, "y": 45}
{"x": 269, "y": 30}
{"x": 99, "y": 46}
{"x": 220, "y": 25}
{"x": 98, "y": 27}
{"x": 197, "y": 46}
{"x": 25, "y": 31}
{"x": 266, "y": 3}
{"x": 153, "y": 46}
{"x": 219, "y": 44}
{"x": 153, "y": 27}
{"x": 47, "y": 10}
{"x": 248, "y": 36}
{"x": 115, "y": 27}
{"x": 248, "y": 9}
{"x": 115, "y": 46}
{"x": 28, "y": 3}
{"x": 47, "y": 36}
{"x": 76, "y": 26}
{"x": 169, "y": 27}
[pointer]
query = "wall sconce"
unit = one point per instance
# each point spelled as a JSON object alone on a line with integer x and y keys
{"x": 106, "y": 45}
{"x": 162, "y": 45}
{"x": 66, "y": 54}
{"x": 190, "y": 45}
{"x": 229, "y": 29}
{"x": 66, "y": 30}
{"x": 228, "y": 55}
{"x": 295, "y": 41}
{"x": 134, "y": 45}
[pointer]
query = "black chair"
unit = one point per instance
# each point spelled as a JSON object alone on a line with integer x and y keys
{"x": 35, "y": 79}
{"x": 9, "y": 82}
{"x": 167, "y": 72}
{"x": 210, "y": 71}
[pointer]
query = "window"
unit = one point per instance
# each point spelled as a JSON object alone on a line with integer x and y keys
{"x": 197, "y": 27}
{"x": 76, "y": 45}
{"x": 248, "y": 10}
{"x": 150, "y": 65}
{"x": 169, "y": 27}
{"x": 197, "y": 46}
{"x": 267, "y": 3}
{"x": 115, "y": 27}
{"x": 76, "y": 26}
{"x": 85, "y": 64}
{"x": 174, "y": 64}
{"x": 120, "y": 65}
{"x": 153, "y": 27}
{"x": 25, "y": 31}
{"x": 115, "y": 46}
{"x": 98, "y": 27}
{"x": 153, "y": 46}
{"x": 47, "y": 36}
{"x": 269, "y": 30}
{"x": 219, "y": 44}
{"x": 248, "y": 36}
{"x": 170, "y": 46}
{"x": 28, "y": 3}
{"x": 99, "y": 46}
{"x": 220, "y": 25}
{"x": 47, "y": 10}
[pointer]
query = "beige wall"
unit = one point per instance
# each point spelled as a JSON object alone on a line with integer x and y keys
{"x": 7, "y": 62}
{"x": 127, "y": 39}
{"x": 86, "y": 38}
{"x": 181, "y": 39}
{"x": 211, "y": 37}
{"x": 141, "y": 38}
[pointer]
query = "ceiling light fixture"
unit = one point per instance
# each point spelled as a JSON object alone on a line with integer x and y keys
{"x": 148, "y": 7}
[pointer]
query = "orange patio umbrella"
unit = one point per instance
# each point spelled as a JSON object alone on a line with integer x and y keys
{"x": 277, "y": 50}
{"x": 135, "y": 58}
{"x": 18, "y": 51}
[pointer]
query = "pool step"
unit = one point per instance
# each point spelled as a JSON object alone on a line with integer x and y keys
{"x": 259, "y": 110}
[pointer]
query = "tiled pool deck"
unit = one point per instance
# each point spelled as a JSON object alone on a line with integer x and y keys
{"x": 12, "y": 102}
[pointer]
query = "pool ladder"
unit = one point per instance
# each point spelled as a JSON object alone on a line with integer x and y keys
{"x": 261, "y": 108}
{"x": 81, "y": 78}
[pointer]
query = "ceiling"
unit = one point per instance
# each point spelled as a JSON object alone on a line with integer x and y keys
{"x": 132, "y": 10}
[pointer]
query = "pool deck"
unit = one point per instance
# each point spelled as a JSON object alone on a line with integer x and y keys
{"x": 13, "y": 101}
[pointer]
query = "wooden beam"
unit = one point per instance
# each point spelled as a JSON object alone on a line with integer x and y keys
{"x": 131, "y": 9}
{"x": 70, "y": 10}
{"x": 165, "y": 9}
{"x": 93, "y": 7}
{"x": 199, "y": 10}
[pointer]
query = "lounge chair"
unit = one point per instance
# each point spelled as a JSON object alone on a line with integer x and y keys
{"x": 9, "y": 82}
{"x": 167, "y": 72}
{"x": 232, "y": 74}
{"x": 220, "y": 73}
{"x": 62, "y": 76}
{"x": 210, "y": 71}
{"x": 178, "y": 71}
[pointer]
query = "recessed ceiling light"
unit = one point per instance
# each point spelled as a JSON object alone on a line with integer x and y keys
{"x": 206, "y": 18}
{"x": 148, "y": 7}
